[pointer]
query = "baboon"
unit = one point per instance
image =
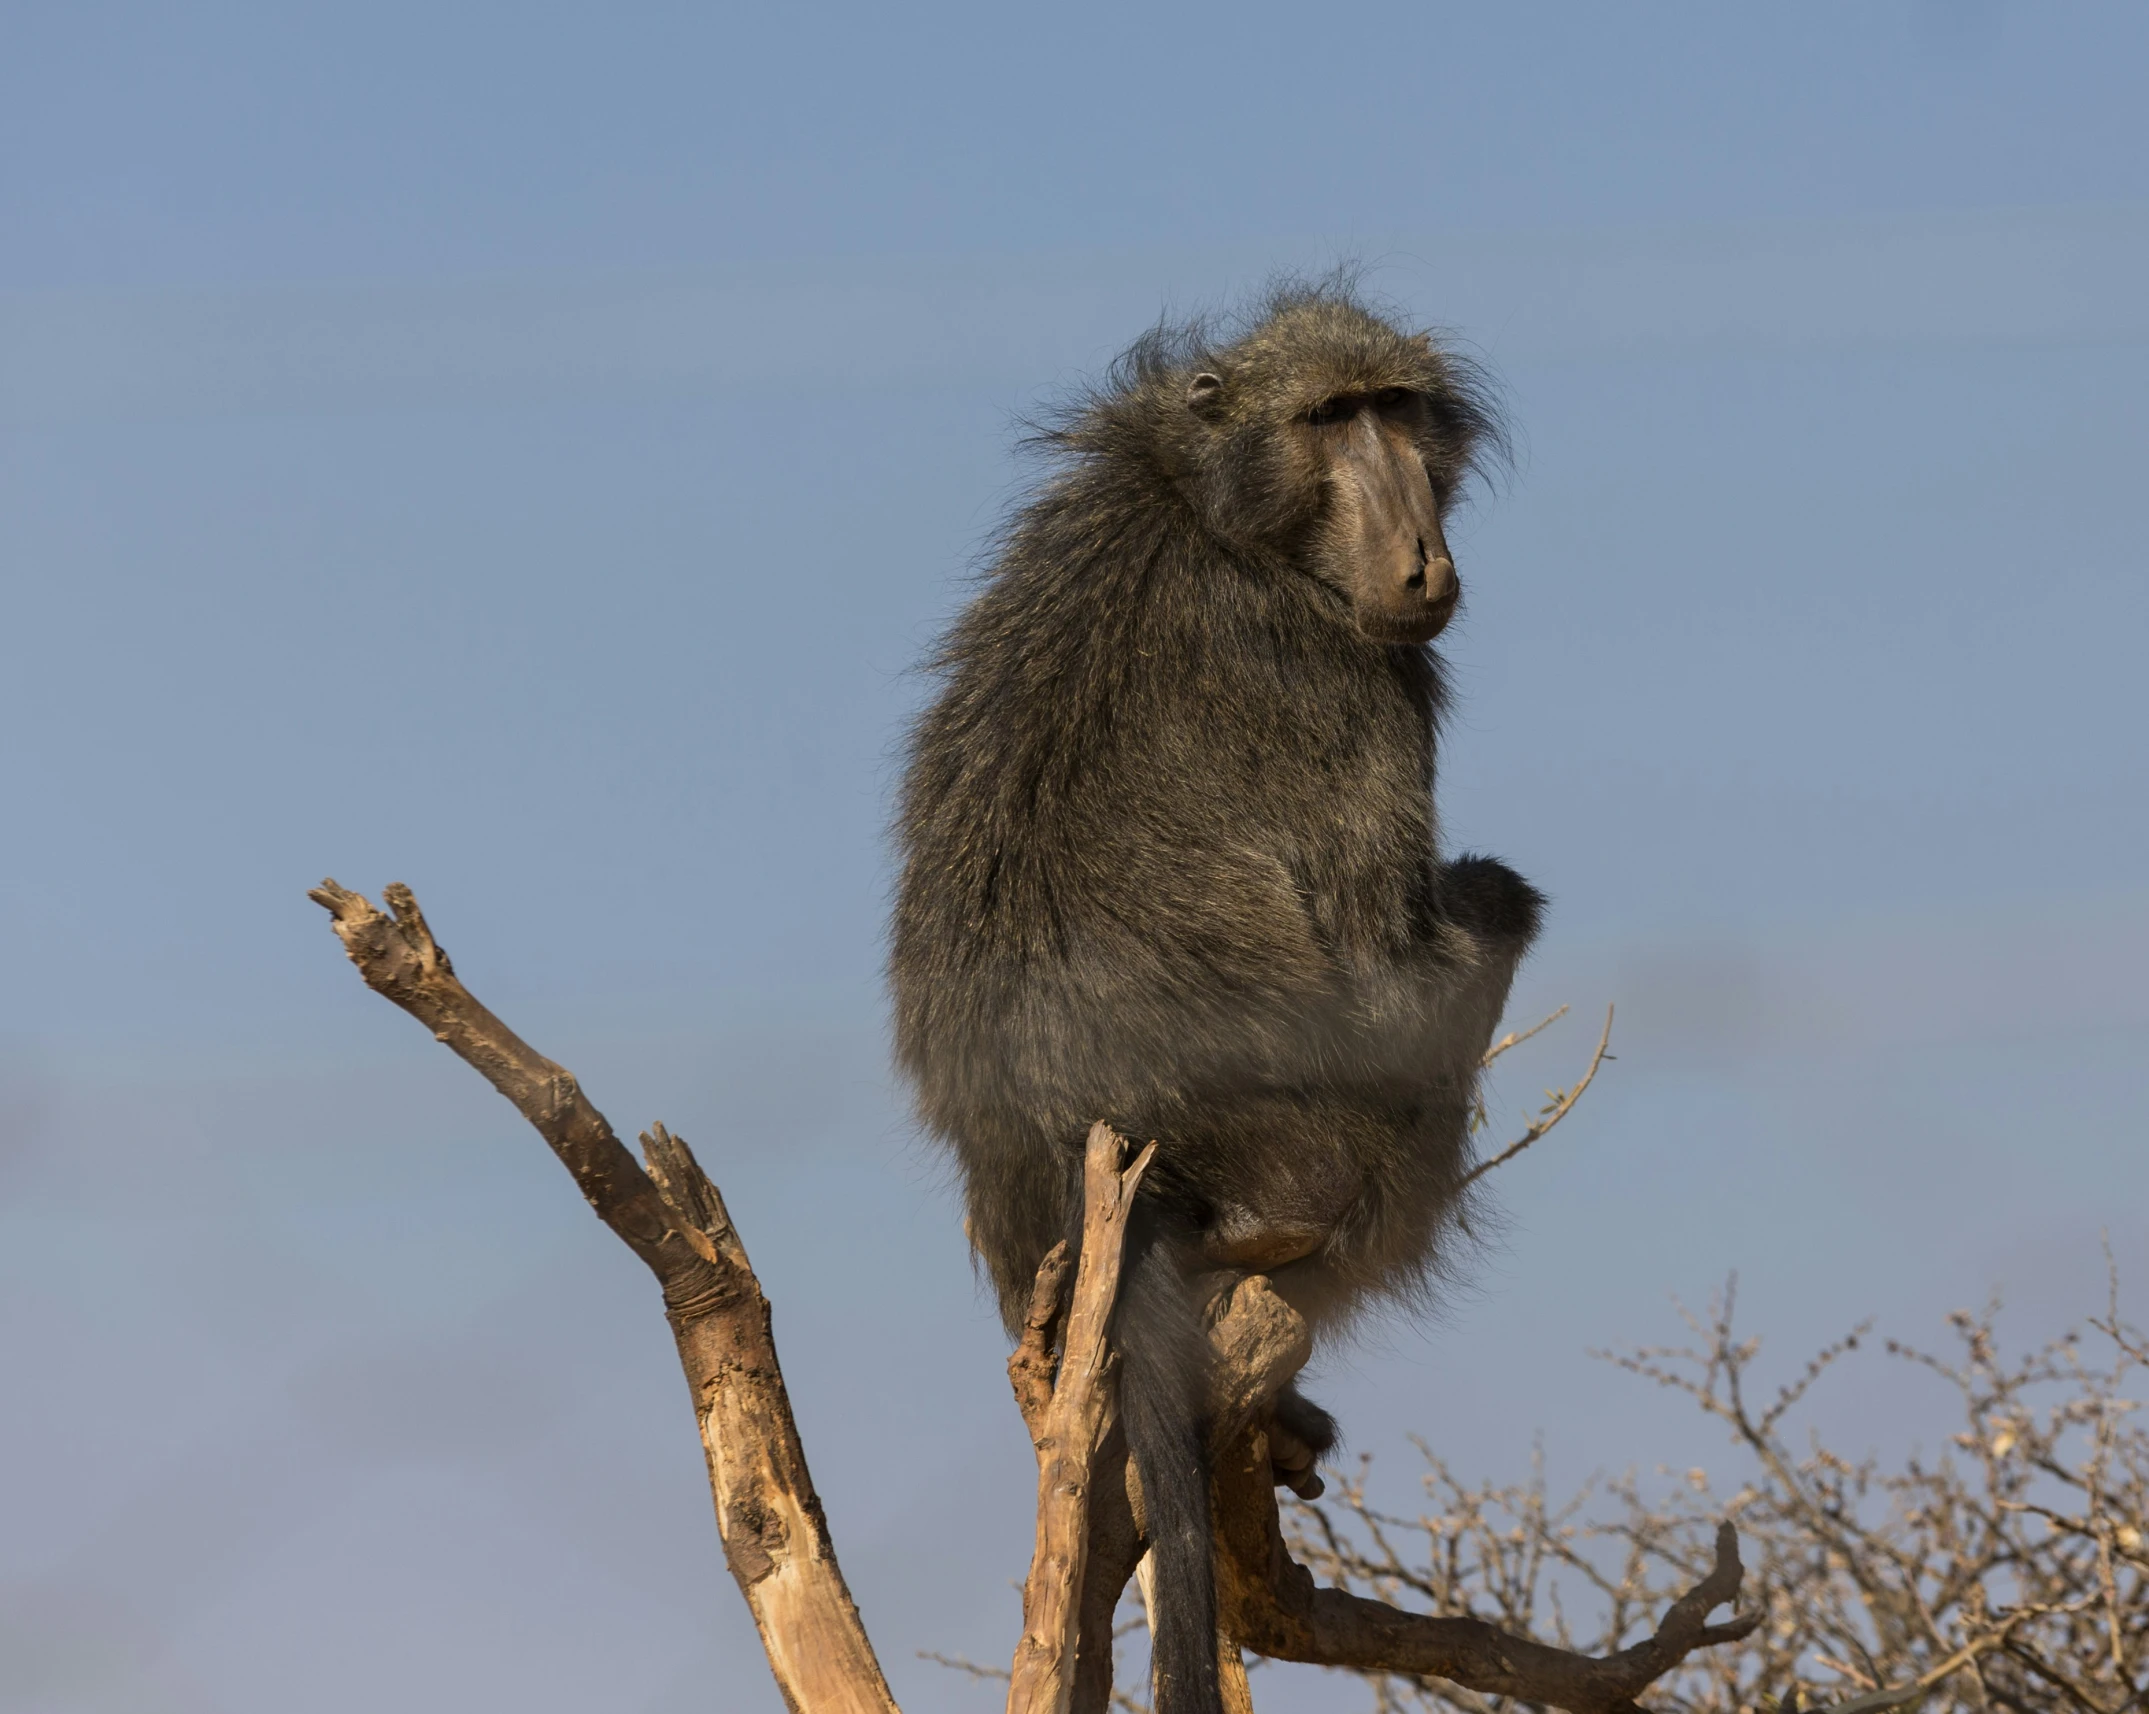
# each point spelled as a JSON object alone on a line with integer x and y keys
{"x": 1170, "y": 860}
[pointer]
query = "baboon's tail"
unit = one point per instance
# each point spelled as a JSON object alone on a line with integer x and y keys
{"x": 1163, "y": 1399}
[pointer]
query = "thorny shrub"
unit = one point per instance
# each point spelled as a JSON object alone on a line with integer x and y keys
{"x": 2011, "y": 1572}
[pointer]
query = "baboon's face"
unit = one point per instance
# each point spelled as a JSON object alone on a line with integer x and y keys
{"x": 1377, "y": 537}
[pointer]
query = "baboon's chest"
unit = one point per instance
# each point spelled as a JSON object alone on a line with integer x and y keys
{"x": 1352, "y": 818}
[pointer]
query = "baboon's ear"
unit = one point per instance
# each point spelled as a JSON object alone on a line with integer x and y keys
{"x": 1205, "y": 393}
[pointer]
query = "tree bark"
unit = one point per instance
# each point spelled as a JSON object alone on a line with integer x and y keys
{"x": 1072, "y": 1425}
{"x": 775, "y": 1537}
{"x": 1271, "y": 1603}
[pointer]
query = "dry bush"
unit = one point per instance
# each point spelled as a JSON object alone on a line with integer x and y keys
{"x": 2009, "y": 1573}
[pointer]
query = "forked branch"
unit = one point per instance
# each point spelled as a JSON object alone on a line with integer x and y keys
{"x": 1071, "y": 1427}
{"x": 1561, "y": 1102}
{"x": 775, "y": 1537}
{"x": 1270, "y": 1603}
{"x": 1515, "y": 1038}
{"x": 1273, "y": 1605}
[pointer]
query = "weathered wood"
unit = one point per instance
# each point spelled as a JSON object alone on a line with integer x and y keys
{"x": 775, "y": 1537}
{"x": 1238, "y": 1695}
{"x": 1115, "y": 1548}
{"x": 1260, "y": 1343}
{"x": 1035, "y": 1360}
{"x": 1115, "y": 1539}
{"x": 1042, "y": 1678}
{"x": 1272, "y": 1603}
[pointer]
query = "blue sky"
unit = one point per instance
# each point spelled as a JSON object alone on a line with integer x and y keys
{"x": 524, "y": 451}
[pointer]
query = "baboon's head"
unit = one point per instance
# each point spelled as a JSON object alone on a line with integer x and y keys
{"x": 1341, "y": 441}
{"x": 1324, "y": 435}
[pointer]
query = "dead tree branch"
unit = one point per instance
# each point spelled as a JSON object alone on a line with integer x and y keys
{"x": 1515, "y": 1038}
{"x": 775, "y": 1537}
{"x": 2005, "y": 1573}
{"x": 976, "y": 1669}
{"x": 1278, "y": 1610}
{"x": 1271, "y": 1604}
{"x": 1073, "y": 1423}
{"x": 1035, "y": 1359}
{"x": 1557, "y": 1107}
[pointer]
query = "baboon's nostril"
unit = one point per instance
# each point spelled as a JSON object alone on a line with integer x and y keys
{"x": 1416, "y": 580}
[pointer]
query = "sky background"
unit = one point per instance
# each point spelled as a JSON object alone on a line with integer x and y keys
{"x": 523, "y": 451}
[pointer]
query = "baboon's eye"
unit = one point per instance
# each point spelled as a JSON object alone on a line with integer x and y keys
{"x": 1393, "y": 401}
{"x": 1336, "y": 410}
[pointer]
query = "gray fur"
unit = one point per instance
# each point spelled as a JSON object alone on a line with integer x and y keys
{"x": 1169, "y": 850}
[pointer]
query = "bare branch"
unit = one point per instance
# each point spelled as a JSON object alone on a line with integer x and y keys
{"x": 1273, "y": 1603}
{"x": 1515, "y": 1038}
{"x": 1042, "y": 1679}
{"x": 1561, "y": 1104}
{"x": 977, "y": 1669}
{"x": 768, "y": 1514}
{"x": 1033, "y": 1363}
{"x": 2010, "y": 1582}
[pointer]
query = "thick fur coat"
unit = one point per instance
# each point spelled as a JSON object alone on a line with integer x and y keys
{"x": 1170, "y": 856}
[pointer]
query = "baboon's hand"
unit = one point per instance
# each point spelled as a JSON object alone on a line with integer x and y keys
{"x": 1484, "y": 894}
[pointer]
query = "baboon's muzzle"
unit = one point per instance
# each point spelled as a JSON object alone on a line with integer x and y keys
{"x": 1403, "y": 583}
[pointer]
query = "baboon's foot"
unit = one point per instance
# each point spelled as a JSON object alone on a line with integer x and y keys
{"x": 1255, "y": 1243}
{"x": 1300, "y": 1434}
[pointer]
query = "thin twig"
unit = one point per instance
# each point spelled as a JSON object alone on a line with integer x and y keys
{"x": 1555, "y": 1110}
{"x": 998, "y": 1675}
{"x": 1515, "y": 1038}
{"x": 1892, "y": 1603}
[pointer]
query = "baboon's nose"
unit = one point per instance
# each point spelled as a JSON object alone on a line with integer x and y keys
{"x": 1439, "y": 588}
{"x": 1417, "y": 606}
{"x": 1435, "y": 573}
